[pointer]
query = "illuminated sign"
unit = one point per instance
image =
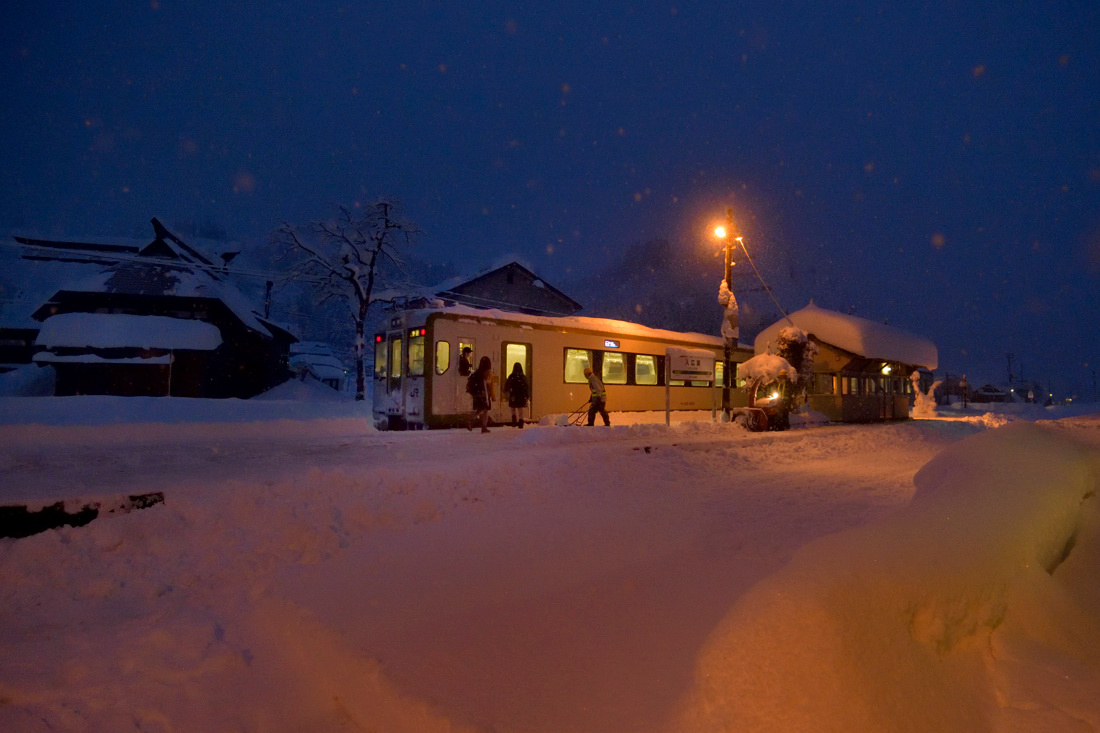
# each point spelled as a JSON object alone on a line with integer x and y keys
{"x": 609, "y": 344}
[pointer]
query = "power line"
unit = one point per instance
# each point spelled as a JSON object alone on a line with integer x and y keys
{"x": 767, "y": 289}
{"x": 95, "y": 257}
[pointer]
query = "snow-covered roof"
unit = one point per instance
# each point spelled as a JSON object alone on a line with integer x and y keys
{"x": 171, "y": 280}
{"x": 625, "y": 328}
{"x": 45, "y": 357}
{"x": 167, "y": 265}
{"x": 857, "y": 335}
{"x": 119, "y": 330}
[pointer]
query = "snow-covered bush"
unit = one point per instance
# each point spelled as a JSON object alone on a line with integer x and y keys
{"x": 924, "y": 403}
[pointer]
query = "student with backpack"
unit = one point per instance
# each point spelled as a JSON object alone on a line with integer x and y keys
{"x": 518, "y": 392}
{"x": 477, "y": 386}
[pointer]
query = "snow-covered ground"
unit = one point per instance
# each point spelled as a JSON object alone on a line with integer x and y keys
{"x": 308, "y": 573}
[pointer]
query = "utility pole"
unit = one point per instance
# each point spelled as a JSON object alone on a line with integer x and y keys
{"x": 729, "y": 303}
{"x": 728, "y": 346}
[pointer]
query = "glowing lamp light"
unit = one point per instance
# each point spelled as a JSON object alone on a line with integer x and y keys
{"x": 775, "y": 395}
{"x": 720, "y": 231}
{"x": 886, "y": 369}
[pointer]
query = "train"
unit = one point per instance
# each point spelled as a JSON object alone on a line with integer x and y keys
{"x": 418, "y": 382}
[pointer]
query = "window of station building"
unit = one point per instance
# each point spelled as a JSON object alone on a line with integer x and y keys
{"x": 442, "y": 356}
{"x": 614, "y": 368}
{"x": 645, "y": 369}
{"x": 720, "y": 372}
{"x": 380, "y": 357}
{"x": 576, "y": 360}
{"x": 416, "y": 352}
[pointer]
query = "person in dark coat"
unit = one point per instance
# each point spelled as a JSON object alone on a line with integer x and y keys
{"x": 464, "y": 364}
{"x": 478, "y": 387}
{"x": 518, "y": 392}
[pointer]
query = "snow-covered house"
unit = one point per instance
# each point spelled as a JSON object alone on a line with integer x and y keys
{"x": 862, "y": 368}
{"x": 509, "y": 286}
{"x": 162, "y": 321}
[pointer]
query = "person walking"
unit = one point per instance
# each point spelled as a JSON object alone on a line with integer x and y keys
{"x": 478, "y": 387}
{"x": 598, "y": 402}
{"x": 518, "y": 391}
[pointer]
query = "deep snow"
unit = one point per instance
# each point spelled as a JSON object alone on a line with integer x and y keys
{"x": 307, "y": 572}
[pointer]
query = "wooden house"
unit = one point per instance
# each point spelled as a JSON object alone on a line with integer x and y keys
{"x": 163, "y": 321}
{"x": 862, "y": 368}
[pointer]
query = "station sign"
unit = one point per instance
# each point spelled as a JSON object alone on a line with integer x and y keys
{"x": 691, "y": 365}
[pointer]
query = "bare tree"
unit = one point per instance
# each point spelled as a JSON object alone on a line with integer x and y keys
{"x": 352, "y": 259}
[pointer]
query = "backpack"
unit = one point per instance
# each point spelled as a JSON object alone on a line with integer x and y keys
{"x": 472, "y": 386}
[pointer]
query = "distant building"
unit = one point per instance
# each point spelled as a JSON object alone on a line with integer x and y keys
{"x": 509, "y": 287}
{"x": 862, "y": 368}
{"x": 989, "y": 393}
{"x": 160, "y": 321}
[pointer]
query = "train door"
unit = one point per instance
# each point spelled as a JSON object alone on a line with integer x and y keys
{"x": 513, "y": 353}
{"x": 389, "y": 400}
{"x": 414, "y": 388}
{"x": 464, "y": 364}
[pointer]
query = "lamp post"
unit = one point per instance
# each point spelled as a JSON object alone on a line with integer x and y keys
{"x": 728, "y": 329}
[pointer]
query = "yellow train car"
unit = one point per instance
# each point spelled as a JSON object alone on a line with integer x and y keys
{"x": 418, "y": 382}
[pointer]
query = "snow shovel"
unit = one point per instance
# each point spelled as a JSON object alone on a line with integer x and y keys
{"x": 579, "y": 414}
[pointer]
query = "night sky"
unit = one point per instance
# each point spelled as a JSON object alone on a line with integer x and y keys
{"x": 934, "y": 165}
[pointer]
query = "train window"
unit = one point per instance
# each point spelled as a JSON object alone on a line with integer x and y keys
{"x": 614, "y": 368}
{"x": 576, "y": 360}
{"x": 379, "y": 357}
{"x": 465, "y": 363}
{"x": 645, "y": 369}
{"x": 416, "y": 355}
{"x": 719, "y": 372}
{"x": 442, "y": 356}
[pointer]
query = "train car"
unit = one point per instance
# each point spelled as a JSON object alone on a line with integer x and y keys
{"x": 418, "y": 382}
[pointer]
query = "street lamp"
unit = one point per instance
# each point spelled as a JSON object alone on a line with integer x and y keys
{"x": 729, "y": 325}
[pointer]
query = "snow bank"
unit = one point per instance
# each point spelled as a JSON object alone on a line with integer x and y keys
{"x": 176, "y": 630}
{"x": 928, "y": 620}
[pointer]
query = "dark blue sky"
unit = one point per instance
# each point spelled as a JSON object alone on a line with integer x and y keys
{"x": 936, "y": 165}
